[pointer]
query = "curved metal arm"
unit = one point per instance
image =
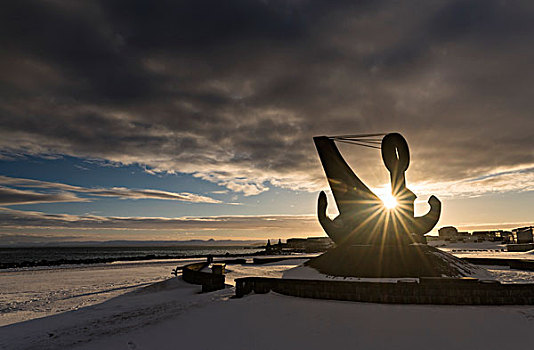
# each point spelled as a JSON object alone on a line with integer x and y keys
{"x": 362, "y": 217}
{"x": 425, "y": 223}
{"x": 333, "y": 230}
{"x": 396, "y": 157}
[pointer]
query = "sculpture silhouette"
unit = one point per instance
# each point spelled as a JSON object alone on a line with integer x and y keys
{"x": 363, "y": 219}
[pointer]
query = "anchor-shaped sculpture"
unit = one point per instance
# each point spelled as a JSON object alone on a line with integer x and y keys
{"x": 363, "y": 219}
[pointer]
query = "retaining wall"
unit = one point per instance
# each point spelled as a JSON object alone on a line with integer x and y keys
{"x": 261, "y": 261}
{"x": 521, "y": 247}
{"x": 450, "y": 291}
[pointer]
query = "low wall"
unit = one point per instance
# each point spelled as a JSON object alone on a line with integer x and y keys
{"x": 233, "y": 261}
{"x": 522, "y": 264}
{"x": 261, "y": 261}
{"x": 487, "y": 261}
{"x": 518, "y": 264}
{"x": 450, "y": 291}
{"x": 521, "y": 247}
{"x": 210, "y": 282}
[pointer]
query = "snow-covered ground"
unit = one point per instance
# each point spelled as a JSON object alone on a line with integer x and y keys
{"x": 173, "y": 315}
{"x": 137, "y": 306}
{"x": 480, "y": 250}
{"x": 39, "y": 292}
{"x": 32, "y": 293}
{"x": 499, "y": 273}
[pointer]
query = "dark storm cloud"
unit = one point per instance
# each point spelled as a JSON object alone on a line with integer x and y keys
{"x": 233, "y": 91}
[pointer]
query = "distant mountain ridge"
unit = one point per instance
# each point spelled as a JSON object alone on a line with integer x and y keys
{"x": 127, "y": 243}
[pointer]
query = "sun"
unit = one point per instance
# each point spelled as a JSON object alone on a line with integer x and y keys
{"x": 389, "y": 201}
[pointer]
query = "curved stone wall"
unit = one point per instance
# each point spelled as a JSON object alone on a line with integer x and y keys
{"x": 210, "y": 282}
{"x": 450, "y": 291}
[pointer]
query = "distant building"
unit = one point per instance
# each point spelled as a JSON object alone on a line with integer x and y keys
{"x": 499, "y": 235}
{"x": 274, "y": 248}
{"x": 494, "y": 236}
{"x": 463, "y": 236}
{"x": 523, "y": 235}
{"x": 516, "y": 236}
{"x": 296, "y": 243}
{"x": 310, "y": 245}
{"x": 481, "y": 235}
{"x": 507, "y": 236}
{"x": 448, "y": 233}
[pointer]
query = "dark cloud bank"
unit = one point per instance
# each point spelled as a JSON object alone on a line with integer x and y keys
{"x": 233, "y": 91}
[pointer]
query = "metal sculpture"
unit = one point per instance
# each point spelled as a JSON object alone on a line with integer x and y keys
{"x": 363, "y": 219}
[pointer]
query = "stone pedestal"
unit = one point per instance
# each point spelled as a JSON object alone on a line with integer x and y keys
{"x": 391, "y": 261}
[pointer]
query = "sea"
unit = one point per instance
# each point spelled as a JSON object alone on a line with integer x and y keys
{"x": 53, "y": 256}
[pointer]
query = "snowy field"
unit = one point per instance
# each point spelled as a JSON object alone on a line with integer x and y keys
{"x": 138, "y": 306}
{"x": 173, "y": 315}
{"x": 32, "y": 293}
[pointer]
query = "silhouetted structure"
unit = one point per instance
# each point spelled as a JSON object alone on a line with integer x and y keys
{"x": 448, "y": 232}
{"x": 363, "y": 219}
{"x": 523, "y": 235}
{"x": 372, "y": 241}
{"x": 274, "y": 248}
{"x": 310, "y": 244}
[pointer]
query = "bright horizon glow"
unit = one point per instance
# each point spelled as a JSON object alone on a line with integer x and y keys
{"x": 389, "y": 200}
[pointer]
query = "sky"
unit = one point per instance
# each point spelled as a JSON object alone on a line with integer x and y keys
{"x": 177, "y": 120}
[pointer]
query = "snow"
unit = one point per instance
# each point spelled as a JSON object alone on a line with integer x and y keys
{"x": 171, "y": 314}
{"x": 32, "y": 293}
{"x": 499, "y": 273}
{"x": 309, "y": 273}
{"x": 484, "y": 249}
{"x": 38, "y": 292}
{"x": 273, "y": 270}
{"x": 279, "y": 322}
{"x": 128, "y": 312}
{"x": 137, "y": 306}
{"x": 506, "y": 275}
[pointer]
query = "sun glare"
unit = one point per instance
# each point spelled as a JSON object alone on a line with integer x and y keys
{"x": 389, "y": 201}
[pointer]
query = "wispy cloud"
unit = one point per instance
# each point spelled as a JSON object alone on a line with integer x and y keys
{"x": 128, "y": 193}
{"x": 10, "y": 196}
{"x": 220, "y": 192}
{"x": 59, "y": 227}
{"x": 67, "y": 193}
{"x": 285, "y": 225}
{"x": 502, "y": 181}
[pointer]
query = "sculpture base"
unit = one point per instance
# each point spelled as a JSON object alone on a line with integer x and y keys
{"x": 392, "y": 261}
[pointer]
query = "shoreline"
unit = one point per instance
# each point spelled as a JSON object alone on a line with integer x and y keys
{"x": 464, "y": 251}
{"x": 92, "y": 261}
